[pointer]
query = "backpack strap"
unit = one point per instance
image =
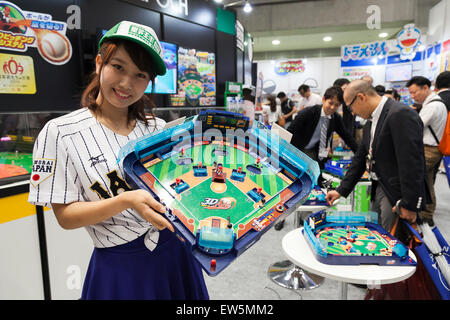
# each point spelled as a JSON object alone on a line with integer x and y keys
{"x": 434, "y": 134}
{"x": 431, "y": 129}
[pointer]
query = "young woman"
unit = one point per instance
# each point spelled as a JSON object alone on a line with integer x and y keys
{"x": 249, "y": 104}
{"x": 136, "y": 255}
{"x": 273, "y": 111}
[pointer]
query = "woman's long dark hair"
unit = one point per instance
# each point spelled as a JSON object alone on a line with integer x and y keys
{"x": 272, "y": 103}
{"x": 141, "y": 59}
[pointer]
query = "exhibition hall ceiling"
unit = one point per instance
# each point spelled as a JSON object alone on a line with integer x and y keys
{"x": 313, "y": 38}
{"x": 303, "y": 25}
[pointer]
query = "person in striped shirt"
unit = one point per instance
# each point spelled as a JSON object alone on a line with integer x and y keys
{"x": 75, "y": 172}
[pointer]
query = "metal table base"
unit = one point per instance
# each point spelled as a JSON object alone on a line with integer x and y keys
{"x": 290, "y": 276}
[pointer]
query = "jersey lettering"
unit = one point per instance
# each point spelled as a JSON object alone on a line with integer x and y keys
{"x": 116, "y": 184}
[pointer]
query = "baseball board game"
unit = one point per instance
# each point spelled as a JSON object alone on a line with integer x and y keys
{"x": 224, "y": 184}
{"x": 352, "y": 239}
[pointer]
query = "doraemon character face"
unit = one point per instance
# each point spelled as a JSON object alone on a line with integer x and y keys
{"x": 408, "y": 40}
{"x": 409, "y": 37}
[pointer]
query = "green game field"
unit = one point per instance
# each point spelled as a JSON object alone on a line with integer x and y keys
{"x": 243, "y": 211}
{"x": 24, "y": 160}
{"x": 360, "y": 244}
{"x": 168, "y": 170}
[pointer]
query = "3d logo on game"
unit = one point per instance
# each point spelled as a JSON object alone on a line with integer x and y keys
{"x": 42, "y": 170}
{"x": 408, "y": 40}
{"x": 21, "y": 29}
{"x": 221, "y": 204}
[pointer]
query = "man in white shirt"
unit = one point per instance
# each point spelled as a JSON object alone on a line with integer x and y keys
{"x": 309, "y": 99}
{"x": 434, "y": 117}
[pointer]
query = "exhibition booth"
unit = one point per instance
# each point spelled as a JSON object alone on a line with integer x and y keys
{"x": 47, "y": 54}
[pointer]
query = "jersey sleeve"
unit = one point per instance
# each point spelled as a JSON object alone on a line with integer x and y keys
{"x": 54, "y": 178}
{"x": 160, "y": 123}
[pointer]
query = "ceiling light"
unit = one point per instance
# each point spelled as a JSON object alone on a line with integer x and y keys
{"x": 218, "y": 1}
{"x": 327, "y": 38}
{"x": 383, "y": 35}
{"x": 247, "y": 8}
{"x": 275, "y": 42}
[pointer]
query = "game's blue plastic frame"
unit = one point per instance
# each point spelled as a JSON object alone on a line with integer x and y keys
{"x": 321, "y": 220}
{"x": 164, "y": 143}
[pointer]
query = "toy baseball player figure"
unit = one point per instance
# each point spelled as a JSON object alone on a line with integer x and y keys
{"x": 153, "y": 263}
{"x": 219, "y": 170}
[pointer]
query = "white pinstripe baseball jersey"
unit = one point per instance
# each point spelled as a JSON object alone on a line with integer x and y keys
{"x": 75, "y": 159}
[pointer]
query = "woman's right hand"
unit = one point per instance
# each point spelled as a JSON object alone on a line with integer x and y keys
{"x": 147, "y": 207}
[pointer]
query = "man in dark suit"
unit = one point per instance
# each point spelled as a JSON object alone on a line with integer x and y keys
{"x": 312, "y": 128}
{"x": 443, "y": 87}
{"x": 393, "y": 153}
{"x": 308, "y": 126}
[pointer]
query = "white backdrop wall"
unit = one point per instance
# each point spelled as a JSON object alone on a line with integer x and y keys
{"x": 319, "y": 74}
{"x": 438, "y": 22}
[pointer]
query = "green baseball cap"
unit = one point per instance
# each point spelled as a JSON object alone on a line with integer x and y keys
{"x": 142, "y": 35}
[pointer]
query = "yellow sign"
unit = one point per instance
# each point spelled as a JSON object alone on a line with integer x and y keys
{"x": 445, "y": 56}
{"x": 17, "y": 74}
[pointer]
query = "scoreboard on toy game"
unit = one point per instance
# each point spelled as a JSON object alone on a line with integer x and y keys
{"x": 216, "y": 119}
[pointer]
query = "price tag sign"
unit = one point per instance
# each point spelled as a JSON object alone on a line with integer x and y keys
{"x": 17, "y": 74}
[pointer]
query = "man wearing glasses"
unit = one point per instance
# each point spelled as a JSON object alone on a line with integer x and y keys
{"x": 391, "y": 151}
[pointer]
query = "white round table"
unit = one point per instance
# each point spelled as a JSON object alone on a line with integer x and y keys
{"x": 297, "y": 249}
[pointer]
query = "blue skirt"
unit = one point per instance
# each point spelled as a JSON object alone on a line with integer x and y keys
{"x": 132, "y": 272}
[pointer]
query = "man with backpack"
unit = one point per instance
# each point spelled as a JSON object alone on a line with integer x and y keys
{"x": 434, "y": 118}
{"x": 443, "y": 87}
